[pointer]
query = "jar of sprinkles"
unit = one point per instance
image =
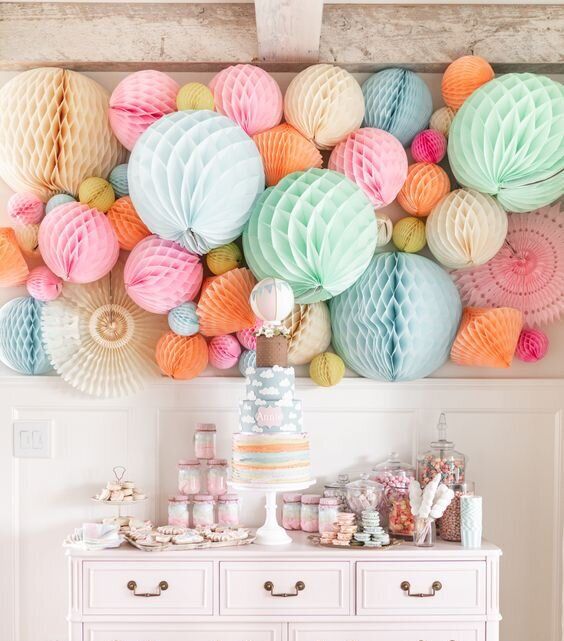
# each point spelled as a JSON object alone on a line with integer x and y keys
{"x": 204, "y": 441}
{"x": 442, "y": 459}
{"x": 217, "y": 476}
{"x": 328, "y": 510}
{"x": 309, "y": 517}
{"x": 202, "y": 510}
{"x": 292, "y": 511}
{"x": 228, "y": 510}
{"x": 178, "y": 511}
{"x": 189, "y": 476}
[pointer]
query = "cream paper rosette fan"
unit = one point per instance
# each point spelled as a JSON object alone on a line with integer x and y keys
{"x": 310, "y": 332}
{"x": 99, "y": 340}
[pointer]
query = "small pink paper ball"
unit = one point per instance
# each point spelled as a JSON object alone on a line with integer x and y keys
{"x": 429, "y": 146}
{"x": 224, "y": 351}
{"x": 247, "y": 337}
{"x": 43, "y": 285}
{"x": 26, "y": 208}
{"x": 532, "y": 345}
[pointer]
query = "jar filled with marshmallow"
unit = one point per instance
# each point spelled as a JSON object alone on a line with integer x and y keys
{"x": 328, "y": 510}
{"x": 202, "y": 510}
{"x": 189, "y": 480}
{"x": 394, "y": 476}
{"x": 217, "y": 476}
{"x": 204, "y": 441}
{"x": 363, "y": 494}
{"x": 228, "y": 510}
{"x": 178, "y": 513}
{"x": 292, "y": 511}
{"x": 309, "y": 517}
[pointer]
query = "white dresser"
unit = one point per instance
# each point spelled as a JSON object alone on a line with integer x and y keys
{"x": 292, "y": 593}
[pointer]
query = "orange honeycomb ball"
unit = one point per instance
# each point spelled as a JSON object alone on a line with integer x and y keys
{"x": 127, "y": 225}
{"x": 182, "y": 357}
{"x": 424, "y": 186}
{"x": 462, "y": 77}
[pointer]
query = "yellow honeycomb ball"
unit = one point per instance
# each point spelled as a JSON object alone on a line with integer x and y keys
{"x": 96, "y": 193}
{"x": 409, "y": 234}
{"x": 223, "y": 259}
{"x": 194, "y": 95}
{"x": 327, "y": 369}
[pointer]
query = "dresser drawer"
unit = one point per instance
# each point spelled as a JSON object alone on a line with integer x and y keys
{"x": 415, "y": 631}
{"x": 326, "y": 588}
{"x": 183, "y": 632}
{"x": 462, "y": 591}
{"x": 188, "y": 587}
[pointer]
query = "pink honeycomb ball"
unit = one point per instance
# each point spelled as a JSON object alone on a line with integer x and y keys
{"x": 429, "y": 145}
{"x": 532, "y": 345}
{"x": 224, "y": 351}
{"x": 247, "y": 337}
{"x": 42, "y": 284}
{"x": 26, "y": 208}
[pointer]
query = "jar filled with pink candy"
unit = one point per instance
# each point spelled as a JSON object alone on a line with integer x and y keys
{"x": 442, "y": 459}
{"x": 363, "y": 494}
{"x": 394, "y": 476}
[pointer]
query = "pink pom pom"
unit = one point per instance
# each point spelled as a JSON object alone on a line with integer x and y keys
{"x": 78, "y": 243}
{"x": 26, "y": 209}
{"x": 429, "y": 146}
{"x": 375, "y": 161}
{"x": 160, "y": 274}
{"x": 224, "y": 351}
{"x": 249, "y": 96}
{"x": 43, "y": 285}
{"x": 532, "y": 345}
{"x": 247, "y": 337}
{"x": 138, "y": 101}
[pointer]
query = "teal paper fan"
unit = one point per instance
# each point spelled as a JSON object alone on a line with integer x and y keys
{"x": 398, "y": 321}
{"x": 316, "y": 230}
{"x": 507, "y": 140}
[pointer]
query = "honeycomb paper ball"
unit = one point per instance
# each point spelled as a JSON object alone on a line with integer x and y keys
{"x": 182, "y": 357}
{"x": 160, "y": 274}
{"x": 385, "y": 229}
{"x": 97, "y": 193}
{"x": 26, "y": 208}
{"x": 424, "y": 186}
{"x": 507, "y": 140}
{"x": 247, "y": 359}
{"x": 77, "y": 243}
{"x": 21, "y": 344}
{"x": 249, "y": 96}
{"x": 398, "y": 321}
{"x": 375, "y": 161}
{"x": 43, "y": 285}
{"x": 272, "y": 300}
{"x": 128, "y": 227}
{"x": 315, "y": 229}
{"x": 224, "y": 258}
{"x": 441, "y": 120}
{"x": 310, "y": 332}
{"x": 466, "y": 228}
{"x": 397, "y": 101}
{"x": 54, "y": 132}
{"x": 138, "y": 101}
{"x": 429, "y": 146}
{"x": 284, "y": 150}
{"x": 194, "y": 95}
{"x": 327, "y": 369}
{"x": 13, "y": 268}
{"x": 325, "y": 104}
{"x": 462, "y": 77}
{"x": 409, "y": 234}
{"x": 58, "y": 199}
{"x": 193, "y": 177}
{"x": 247, "y": 337}
{"x": 27, "y": 237}
{"x": 224, "y": 351}
{"x": 532, "y": 345}
{"x": 118, "y": 180}
{"x": 183, "y": 319}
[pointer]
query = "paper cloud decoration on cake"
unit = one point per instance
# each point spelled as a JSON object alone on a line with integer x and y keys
{"x": 398, "y": 321}
{"x": 315, "y": 229}
{"x": 310, "y": 332}
{"x": 193, "y": 177}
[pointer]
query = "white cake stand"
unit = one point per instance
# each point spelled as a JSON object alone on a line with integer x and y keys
{"x": 271, "y": 533}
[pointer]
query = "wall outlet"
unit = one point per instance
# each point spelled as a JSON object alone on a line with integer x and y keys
{"x": 32, "y": 438}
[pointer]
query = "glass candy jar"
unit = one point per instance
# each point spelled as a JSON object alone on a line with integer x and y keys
{"x": 228, "y": 510}
{"x": 178, "y": 511}
{"x": 394, "y": 476}
{"x": 309, "y": 516}
{"x": 204, "y": 441}
{"x": 217, "y": 476}
{"x": 292, "y": 511}
{"x": 338, "y": 489}
{"x": 328, "y": 510}
{"x": 450, "y": 520}
{"x": 363, "y": 494}
{"x": 441, "y": 458}
{"x": 189, "y": 476}
{"x": 424, "y": 532}
{"x": 202, "y": 510}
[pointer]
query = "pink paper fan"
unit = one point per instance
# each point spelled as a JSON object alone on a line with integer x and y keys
{"x": 138, "y": 101}
{"x": 375, "y": 161}
{"x": 43, "y": 285}
{"x": 78, "y": 243}
{"x": 532, "y": 345}
{"x": 26, "y": 208}
{"x": 429, "y": 146}
{"x": 247, "y": 337}
{"x": 160, "y": 274}
{"x": 528, "y": 271}
{"x": 224, "y": 351}
{"x": 249, "y": 96}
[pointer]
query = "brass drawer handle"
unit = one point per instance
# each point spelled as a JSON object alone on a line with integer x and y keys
{"x": 131, "y": 585}
{"x": 435, "y": 587}
{"x": 269, "y": 587}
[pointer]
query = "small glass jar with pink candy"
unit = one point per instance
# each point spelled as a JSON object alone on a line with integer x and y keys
{"x": 292, "y": 511}
{"x": 442, "y": 459}
{"x": 217, "y": 476}
{"x": 228, "y": 510}
{"x": 328, "y": 510}
{"x": 309, "y": 517}
{"x": 204, "y": 441}
{"x": 363, "y": 494}
{"x": 394, "y": 476}
{"x": 189, "y": 479}
{"x": 338, "y": 489}
{"x": 178, "y": 513}
{"x": 202, "y": 510}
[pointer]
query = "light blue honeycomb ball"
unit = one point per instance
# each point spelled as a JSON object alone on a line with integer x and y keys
{"x": 247, "y": 359}
{"x": 58, "y": 199}
{"x": 183, "y": 320}
{"x": 118, "y": 180}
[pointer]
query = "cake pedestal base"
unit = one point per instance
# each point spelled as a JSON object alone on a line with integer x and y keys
{"x": 272, "y": 533}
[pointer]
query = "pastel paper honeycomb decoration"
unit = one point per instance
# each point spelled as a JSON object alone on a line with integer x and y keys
{"x": 224, "y": 258}
{"x": 385, "y": 229}
{"x": 398, "y": 321}
{"x": 27, "y": 237}
{"x": 183, "y": 319}
{"x": 327, "y": 369}
{"x": 310, "y": 332}
{"x": 462, "y": 77}
{"x": 325, "y": 104}
{"x": 193, "y": 177}
{"x": 13, "y": 268}
{"x": 25, "y": 209}
{"x": 487, "y": 337}
{"x": 43, "y": 285}
{"x": 532, "y": 345}
{"x": 118, "y": 180}
{"x": 224, "y": 351}
{"x": 97, "y": 193}
{"x": 182, "y": 357}
{"x": 429, "y": 146}
{"x": 128, "y": 227}
{"x": 194, "y": 95}
{"x": 54, "y": 132}
{"x": 466, "y": 228}
{"x": 507, "y": 140}
{"x": 424, "y": 186}
{"x": 247, "y": 359}
{"x": 58, "y": 199}
{"x": 247, "y": 337}
{"x": 441, "y": 120}
{"x": 409, "y": 234}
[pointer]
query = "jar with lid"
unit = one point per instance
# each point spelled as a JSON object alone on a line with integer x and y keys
{"x": 328, "y": 510}
{"x": 450, "y": 520}
{"x": 178, "y": 511}
{"x": 217, "y": 476}
{"x": 363, "y": 494}
{"x": 292, "y": 511}
{"x": 202, "y": 510}
{"x": 204, "y": 441}
{"x": 189, "y": 476}
{"x": 394, "y": 476}
{"x": 442, "y": 459}
{"x": 309, "y": 516}
{"x": 338, "y": 489}
{"x": 228, "y": 510}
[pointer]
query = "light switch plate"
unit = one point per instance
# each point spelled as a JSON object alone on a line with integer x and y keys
{"x": 32, "y": 438}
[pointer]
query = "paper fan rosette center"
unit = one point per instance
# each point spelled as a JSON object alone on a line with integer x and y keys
{"x": 111, "y": 326}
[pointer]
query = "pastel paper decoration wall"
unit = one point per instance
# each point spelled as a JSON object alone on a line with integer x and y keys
{"x": 398, "y": 321}
{"x": 315, "y": 229}
{"x": 462, "y": 77}
{"x": 222, "y": 259}
{"x": 532, "y": 345}
{"x": 310, "y": 332}
{"x": 507, "y": 140}
{"x": 25, "y": 208}
{"x": 194, "y": 95}
{"x": 183, "y": 319}
{"x": 193, "y": 177}
{"x": 272, "y": 300}
{"x": 429, "y": 146}
{"x": 13, "y": 268}
{"x": 441, "y": 120}
{"x": 128, "y": 227}
{"x": 97, "y": 193}
{"x": 58, "y": 199}
{"x": 224, "y": 351}
{"x": 327, "y": 369}
{"x": 118, "y": 180}
{"x": 54, "y": 132}
{"x": 424, "y": 186}
{"x": 43, "y": 285}
{"x": 182, "y": 357}
{"x": 409, "y": 234}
